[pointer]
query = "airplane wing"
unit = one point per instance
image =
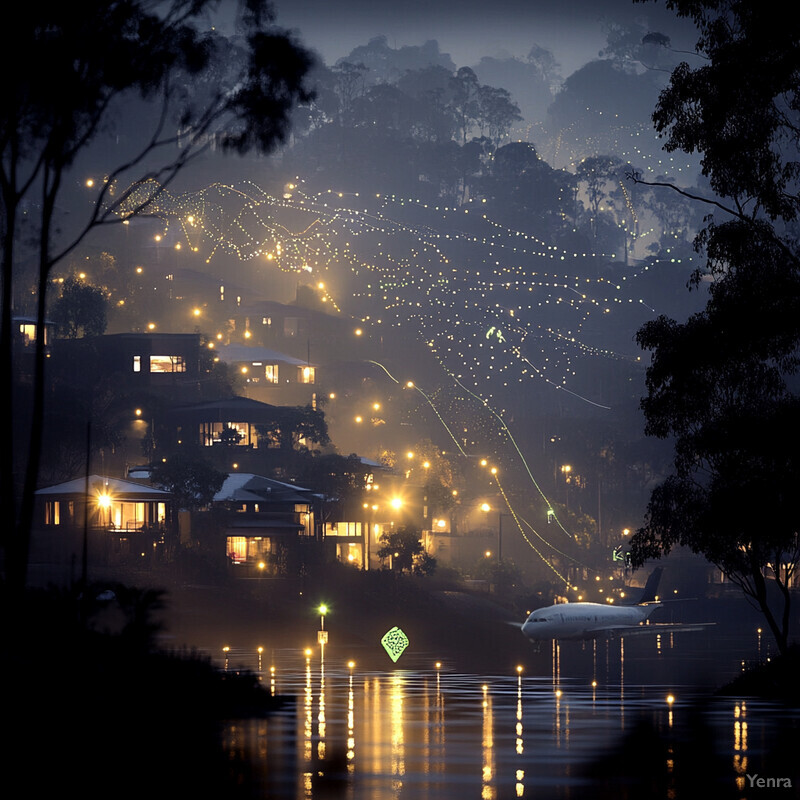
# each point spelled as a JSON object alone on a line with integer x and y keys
{"x": 657, "y": 627}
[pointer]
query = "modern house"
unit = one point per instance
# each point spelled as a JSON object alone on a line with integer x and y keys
{"x": 271, "y": 376}
{"x": 152, "y": 359}
{"x": 116, "y": 521}
{"x": 231, "y": 422}
{"x": 267, "y": 525}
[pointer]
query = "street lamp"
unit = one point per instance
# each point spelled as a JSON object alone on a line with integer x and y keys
{"x": 322, "y": 634}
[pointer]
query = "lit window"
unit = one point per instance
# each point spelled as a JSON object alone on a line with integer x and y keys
{"x": 271, "y": 373}
{"x": 306, "y": 374}
{"x": 28, "y": 332}
{"x": 53, "y": 513}
{"x": 167, "y": 364}
{"x": 137, "y": 363}
{"x": 237, "y": 549}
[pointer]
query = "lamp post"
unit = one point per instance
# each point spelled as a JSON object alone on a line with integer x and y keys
{"x": 322, "y": 634}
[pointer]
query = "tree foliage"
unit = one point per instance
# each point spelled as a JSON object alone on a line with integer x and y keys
{"x": 101, "y": 57}
{"x": 291, "y": 424}
{"x": 721, "y": 383}
{"x": 192, "y": 481}
{"x": 79, "y": 310}
{"x": 403, "y": 548}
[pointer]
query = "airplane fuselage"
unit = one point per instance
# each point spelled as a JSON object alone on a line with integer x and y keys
{"x": 584, "y": 620}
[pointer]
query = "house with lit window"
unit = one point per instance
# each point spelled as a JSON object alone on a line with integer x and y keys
{"x": 232, "y": 422}
{"x": 271, "y": 376}
{"x": 146, "y": 361}
{"x": 118, "y": 521}
{"x": 353, "y": 530}
{"x": 268, "y": 526}
{"x": 296, "y": 329}
{"x": 154, "y": 359}
{"x": 23, "y": 331}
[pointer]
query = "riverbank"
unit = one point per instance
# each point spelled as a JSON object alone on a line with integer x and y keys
{"x": 470, "y": 632}
{"x": 774, "y": 680}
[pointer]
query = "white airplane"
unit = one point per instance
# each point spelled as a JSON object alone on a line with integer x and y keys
{"x": 596, "y": 620}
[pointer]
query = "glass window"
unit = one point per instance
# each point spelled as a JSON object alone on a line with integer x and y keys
{"x": 343, "y": 529}
{"x": 167, "y": 364}
{"x": 28, "y": 332}
{"x": 52, "y": 513}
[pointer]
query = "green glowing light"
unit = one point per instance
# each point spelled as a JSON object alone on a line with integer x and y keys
{"x": 394, "y": 643}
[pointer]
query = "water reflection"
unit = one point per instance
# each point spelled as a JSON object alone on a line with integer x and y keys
{"x": 487, "y": 747}
{"x": 740, "y": 743}
{"x": 438, "y": 734}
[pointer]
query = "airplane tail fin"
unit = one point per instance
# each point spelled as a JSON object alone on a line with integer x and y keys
{"x": 651, "y": 587}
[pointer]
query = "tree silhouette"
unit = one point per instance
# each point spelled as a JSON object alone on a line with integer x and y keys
{"x": 404, "y": 550}
{"x": 722, "y": 382}
{"x": 80, "y": 310}
{"x": 99, "y": 57}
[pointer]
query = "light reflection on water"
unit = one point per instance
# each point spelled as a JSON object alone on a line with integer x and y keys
{"x": 441, "y": 734}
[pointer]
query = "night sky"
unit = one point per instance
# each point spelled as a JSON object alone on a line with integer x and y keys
{"x": 471, "y": 29}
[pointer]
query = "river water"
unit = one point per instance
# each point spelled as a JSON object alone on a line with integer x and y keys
{"x": 628, "y": 718}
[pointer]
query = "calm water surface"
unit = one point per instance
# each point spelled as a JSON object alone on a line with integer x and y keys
{"x": 557, "y": 728}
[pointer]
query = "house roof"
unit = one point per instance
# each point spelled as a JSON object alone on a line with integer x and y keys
{"x": 226, "y": 405}
{"x": 246, "y": 487}
{"x": 237, "y": 353}
{"x": 115, "y": 486}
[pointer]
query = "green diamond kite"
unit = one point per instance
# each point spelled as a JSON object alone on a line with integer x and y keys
{"x": 394, "y": 643}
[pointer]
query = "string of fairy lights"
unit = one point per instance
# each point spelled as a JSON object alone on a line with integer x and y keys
{"x": 521, "y": 523}
{"x": 498, "y": 308}
{"x": 454, "y": 286}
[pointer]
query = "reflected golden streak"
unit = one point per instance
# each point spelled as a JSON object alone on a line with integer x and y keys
{"x": 398, "y": 764}
{"x": 488, "y": 791}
